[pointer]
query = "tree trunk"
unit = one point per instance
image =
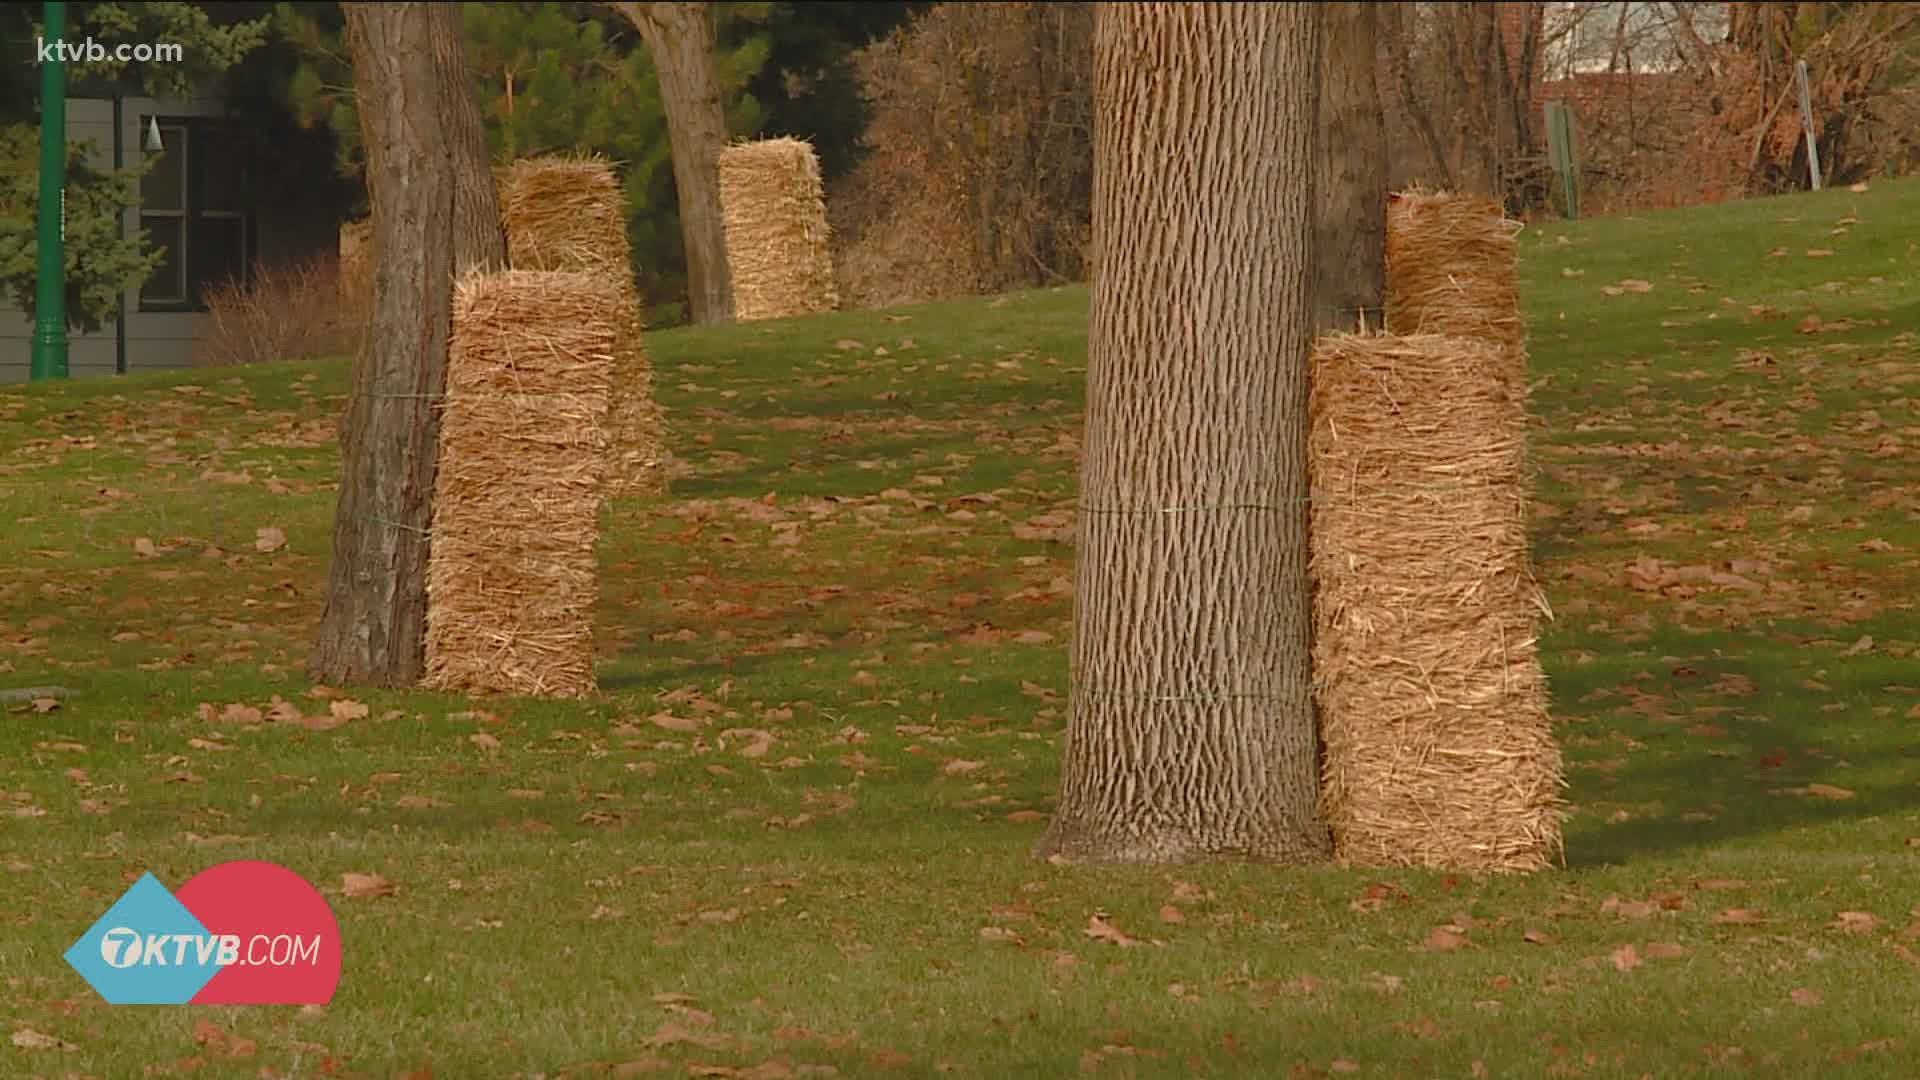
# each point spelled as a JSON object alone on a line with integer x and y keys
{"x": 373, "y": 627}
{"x": 680, "y": 38}
{"x": 1191, "y": 730}
{"x": 1399, "y": 47}
{"x": 479, "y": 238}
{"x": 1350, "y": 239}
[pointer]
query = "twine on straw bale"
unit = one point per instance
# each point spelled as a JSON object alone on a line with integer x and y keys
{"x": 1431, "y": 697}
{"x": 568, "y": 214}
{"x": 511, "y": 577}
{"x": 775, "y": 216}
{"x": 1452, "y": 269}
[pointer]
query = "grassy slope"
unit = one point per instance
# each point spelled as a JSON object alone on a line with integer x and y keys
{"x": 863, "y": 564}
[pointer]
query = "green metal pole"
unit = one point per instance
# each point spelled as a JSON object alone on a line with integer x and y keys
{"x": 50, "y": 301}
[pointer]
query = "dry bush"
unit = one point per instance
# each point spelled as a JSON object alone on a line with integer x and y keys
{"x": 286, "y": 311}
{"x": 979, "y": 170}
{"x": 1684, "y": 103}
{"x": 1861, "y": 61}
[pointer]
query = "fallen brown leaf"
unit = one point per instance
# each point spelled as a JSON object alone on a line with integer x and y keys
{"x": 29, "y": 1039}
{"x": 269, "y": 538}
{"x": 1856, "y": 922}
{"x": 669, "y": 722}
{"x": 1626, "y": 958}
{"x": 347, "y": 709}
{"x": 237, "y": 713}
{"x": 672, "y": 1032}
{"x": 364, "y": 886}
{"x": 1806, "y": 998}
{"x": 1445, "y": 939}
{"x": 1099, "y": 928}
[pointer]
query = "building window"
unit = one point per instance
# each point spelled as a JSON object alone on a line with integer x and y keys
{"x": 193, "y": 207}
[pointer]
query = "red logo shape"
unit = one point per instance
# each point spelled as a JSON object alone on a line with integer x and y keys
{"x": 284, "y": 939}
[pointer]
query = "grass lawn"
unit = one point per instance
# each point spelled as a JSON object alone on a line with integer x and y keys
{"x": 791, "y": 836}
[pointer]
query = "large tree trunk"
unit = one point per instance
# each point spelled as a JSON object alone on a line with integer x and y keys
{"x": 1397, "y": 38}
{"x": 479, "y": 237}
{"x": 1350, "y": 239}
{"x": 680, "y": 38}
{"x": 409, "y": 81}
{"x": 1191, "y": 730}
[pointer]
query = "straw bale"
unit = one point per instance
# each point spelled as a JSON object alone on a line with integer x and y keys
{"x": 1452, "y": 268}
{"x": 778, "y": 244}
{"x": 1439, "y": 749}
{"x": 568, "y": 214}
{"x": 511, "y": 577}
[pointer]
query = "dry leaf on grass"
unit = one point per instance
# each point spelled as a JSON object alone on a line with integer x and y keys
{"x": 29, "y": 1039}
{"x": 269, "y": 538}
{"x": 366, "y": 885}
{"x": 1445, "y": 939}
{"x": 236, "y": 713}
{"x": 1101, "y": 928}
{"x": 672, "y": 1032}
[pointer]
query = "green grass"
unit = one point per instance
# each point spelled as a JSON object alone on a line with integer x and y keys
{"x": 852, "y": 565}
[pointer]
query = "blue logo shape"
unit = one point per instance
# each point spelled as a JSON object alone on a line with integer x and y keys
{"x": 148, "y": 949}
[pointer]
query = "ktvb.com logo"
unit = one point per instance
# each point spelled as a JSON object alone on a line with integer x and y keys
{"x": 241, "y": 933}
{"x": 122, "y": 947}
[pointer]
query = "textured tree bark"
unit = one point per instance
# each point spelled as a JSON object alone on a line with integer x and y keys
{"x": 1190, "y": 731}
{"x": 373, "y": 628}
{"x": 679, "y": 36}
{"x": 1399, "y": 59}
{"x": 479, "y": 238}
{"x": 1350, "y": 237}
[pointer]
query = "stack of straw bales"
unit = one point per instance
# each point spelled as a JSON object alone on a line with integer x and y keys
{"x": 567, "y": 214}
{"x": 775, "y": 215}
{"x": 1431, "y": 696}
{"x": 512, "y": 577}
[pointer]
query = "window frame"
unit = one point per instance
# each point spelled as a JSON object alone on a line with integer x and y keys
{"x": 189, "y": 130}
